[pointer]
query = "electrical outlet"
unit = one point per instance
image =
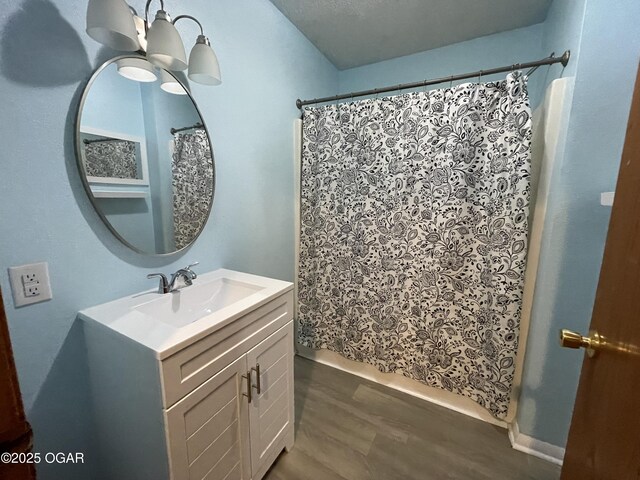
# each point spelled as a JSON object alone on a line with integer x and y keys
{"x": 32, "y": 289}
{"x": 30, "y": 283}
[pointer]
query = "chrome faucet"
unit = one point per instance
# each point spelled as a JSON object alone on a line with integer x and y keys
{"x": 168, "y": 286}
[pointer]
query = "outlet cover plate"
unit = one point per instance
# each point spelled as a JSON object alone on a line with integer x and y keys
{"x": 20, "y": 283}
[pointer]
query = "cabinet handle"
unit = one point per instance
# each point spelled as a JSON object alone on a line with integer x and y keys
{"x": 247, "y": 377}
{"x": 257, "y": 386}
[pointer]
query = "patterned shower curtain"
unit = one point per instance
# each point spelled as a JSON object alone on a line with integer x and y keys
{"x": 414, "y": 227}
{"x": 111, "y": 159}
{"x": 192, "y": 169}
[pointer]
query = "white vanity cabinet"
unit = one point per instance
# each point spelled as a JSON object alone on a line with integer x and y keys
{"x": 208, "y": 431}
{"x": 216, "y": 405}
{"x": 220, "y": 431}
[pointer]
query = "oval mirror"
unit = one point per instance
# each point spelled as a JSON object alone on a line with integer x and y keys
{"x": 145, "y": 156}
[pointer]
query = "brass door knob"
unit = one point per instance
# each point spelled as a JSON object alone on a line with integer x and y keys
{"x": 592, "y": 343}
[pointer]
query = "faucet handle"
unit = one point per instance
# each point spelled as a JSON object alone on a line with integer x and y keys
{"x": 164, "y": 283}
{"x": 194, "y": 275}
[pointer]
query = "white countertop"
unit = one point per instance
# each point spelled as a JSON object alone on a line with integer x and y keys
{"x": 165, "y": 339}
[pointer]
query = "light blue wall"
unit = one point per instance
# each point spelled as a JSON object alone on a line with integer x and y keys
{"x": 576, "y": 224}
{"x": 114, "y": 104}
{"x": 170, "y": 111}
{"x": 132, "y": 218}
{"x": 161, "y": 242}
{"x": 45, "y": 57}
{"x": 563, "y": 31}
{"x": 506, "y": 48}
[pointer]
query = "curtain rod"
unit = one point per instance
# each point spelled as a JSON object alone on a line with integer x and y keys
{"x": 176, "y": 130}
{"x": 550, "y": 60}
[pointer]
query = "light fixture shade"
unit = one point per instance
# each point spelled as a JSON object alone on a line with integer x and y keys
{"x": 203, "y": 63}
{"x": 142, "y": 32}
{"x": 137, "y": 69}
{"x": 110, "y": 22}
{"x": 164, "y": 45}
{"x": 170, "y": 84}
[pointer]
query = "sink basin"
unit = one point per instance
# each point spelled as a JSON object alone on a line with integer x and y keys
{"x": 167, "y": 322}
{"x": 185, "y": 306}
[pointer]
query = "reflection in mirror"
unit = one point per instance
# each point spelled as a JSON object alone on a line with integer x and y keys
{"x": 112, "y": 159}
{"x": 146, "y": 160}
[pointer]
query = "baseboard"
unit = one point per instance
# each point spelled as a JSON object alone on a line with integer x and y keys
{"x": 532, "y": 446}
{"x": 401, "y": 383}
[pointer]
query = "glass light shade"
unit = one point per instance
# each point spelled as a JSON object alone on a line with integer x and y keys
{"x": 164, "y": 45}
{"x": 142, "y": 32}
{"x": 203, "y": 63}
{"x": 170, "y": 84}
{"x": 137, "y": 69}
{"x": 110, "y": 22}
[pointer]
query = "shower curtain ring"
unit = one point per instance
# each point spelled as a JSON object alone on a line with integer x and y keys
{"x": 476, "y": 93}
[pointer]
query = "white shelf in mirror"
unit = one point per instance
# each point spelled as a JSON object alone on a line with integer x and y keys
{"x": 118, "y": 193}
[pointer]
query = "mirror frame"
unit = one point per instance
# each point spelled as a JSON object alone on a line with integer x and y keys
{"x": 83, "y": 175}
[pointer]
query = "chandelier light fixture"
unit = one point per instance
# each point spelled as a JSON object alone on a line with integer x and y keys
{"x": 117, "y": 25}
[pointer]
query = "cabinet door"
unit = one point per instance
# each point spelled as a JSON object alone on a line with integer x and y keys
{"x": 208, "y": 430}
{"x": 271, "y": 411}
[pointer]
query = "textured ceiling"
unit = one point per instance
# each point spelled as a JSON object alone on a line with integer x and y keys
{"x": 357, "y": 32}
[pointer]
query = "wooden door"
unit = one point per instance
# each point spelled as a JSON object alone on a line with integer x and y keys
{"x": 271, "y": 413}
{"x": 208, "y": 430}
{"x": 604, "y": 439}
{"x": 15, "y": 433}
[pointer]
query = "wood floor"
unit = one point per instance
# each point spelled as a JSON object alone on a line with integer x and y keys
{"x": 348, "y": 428}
